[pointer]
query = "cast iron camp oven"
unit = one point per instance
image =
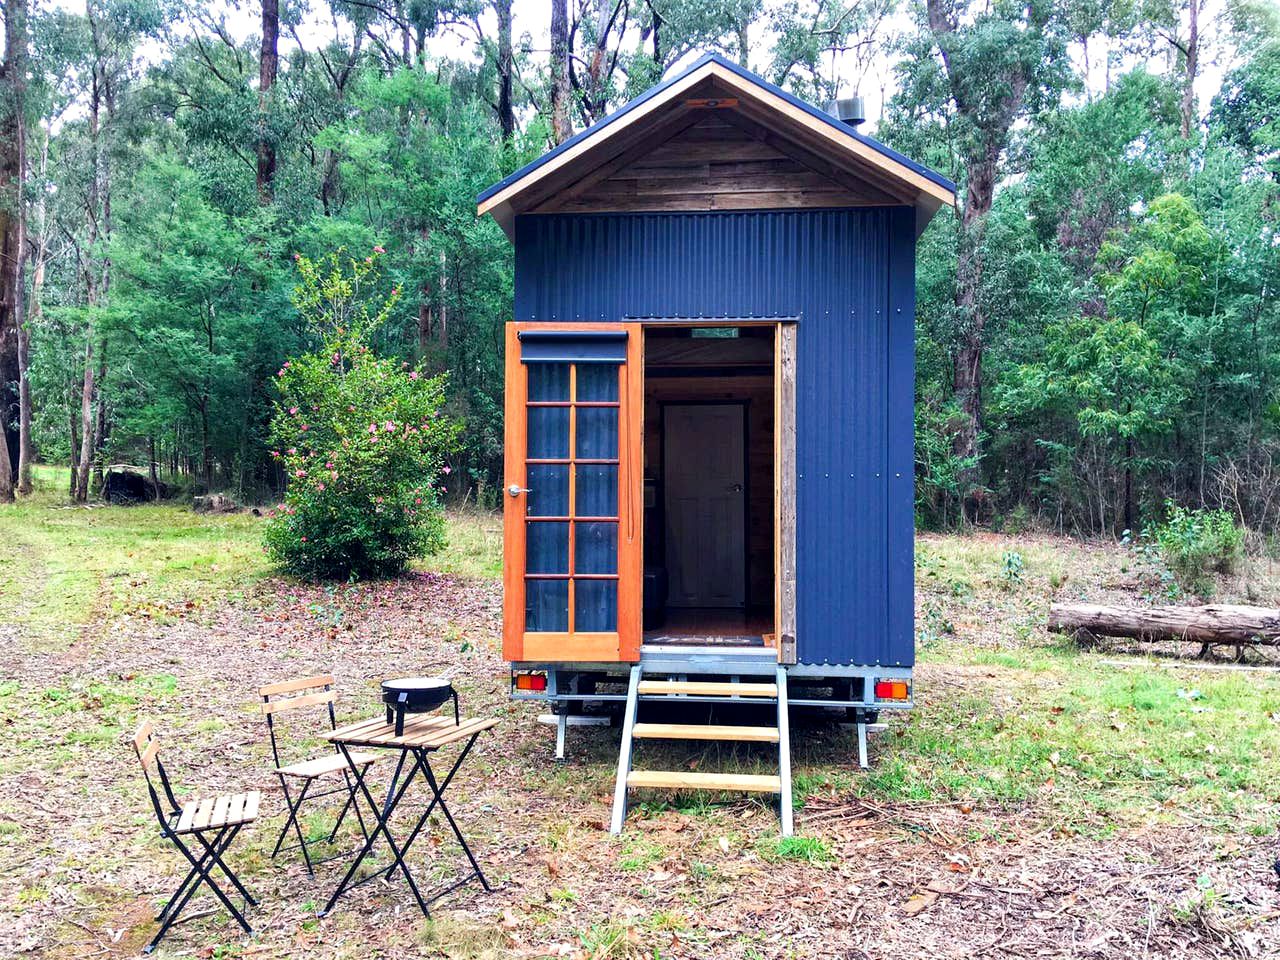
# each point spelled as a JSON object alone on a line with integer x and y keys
{"x": 416, "y": 695}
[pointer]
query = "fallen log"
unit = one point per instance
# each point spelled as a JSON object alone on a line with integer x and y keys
{"x": 1210, "y": 624}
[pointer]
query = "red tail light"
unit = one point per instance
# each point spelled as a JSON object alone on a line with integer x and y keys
{"x": 531, "y": 681}
{"x": 892, "y": 690}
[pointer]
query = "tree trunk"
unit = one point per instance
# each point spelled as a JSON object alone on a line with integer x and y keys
{"x": 560, "y": 129}
{"x": 81, "y": 493}
{"x": 967, "y": 371}
{"x": 268, "y": 64}
{"x": 26, "y": 452}
{"x": 506, "y": 112}
{"x": 151, "y": 467}
{"x": 1213, "y": 623}
{"x": 100, "y": 421}
{"x": 13, "y": 165}
{"x": 1192, "y": 54}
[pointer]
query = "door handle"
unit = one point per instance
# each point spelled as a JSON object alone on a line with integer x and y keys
{"x": 734, "y": 488}
{"x": 515, "y": 490}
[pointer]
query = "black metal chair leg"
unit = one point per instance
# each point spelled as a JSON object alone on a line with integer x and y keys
{"x": 192, "y": 876}
{"x": 297, "y": 827}
{"x": 222, "y": 842}
{"x": 226, "y": 871}
{"x": 202, "y": 866}
{"x": 342, "y": 814}
{"x": 293, "y": 809}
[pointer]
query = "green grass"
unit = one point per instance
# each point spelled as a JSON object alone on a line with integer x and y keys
{"x": 76, "y": 564}
{"x": 807, "y": 849}
{"x": 1093, "y": 747}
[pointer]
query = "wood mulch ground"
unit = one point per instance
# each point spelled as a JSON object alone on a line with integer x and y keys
{"x": 81, "y": 867}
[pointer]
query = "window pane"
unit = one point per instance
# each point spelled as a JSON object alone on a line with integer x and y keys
{"x": 597, "y": 490}
{"x": 598, "y": 432}
{"x": 547, "y": 547}
{"x": 548, "y": 381}
{"x": 598, "y": 381}
{"x": 548, "y": 490}
{"x": 595, "y": 547}
{"x": 595, "y": 606}
{"x": 546, "y": 606}
{"x": 548, "y": 433}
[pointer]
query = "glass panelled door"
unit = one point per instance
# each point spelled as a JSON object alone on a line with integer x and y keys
{"x": 572, "y": 521}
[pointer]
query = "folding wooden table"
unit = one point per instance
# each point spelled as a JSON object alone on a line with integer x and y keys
{"x": 423, "y": 735}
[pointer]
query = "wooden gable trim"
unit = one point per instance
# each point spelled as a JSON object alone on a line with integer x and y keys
{"x": 819, "y": 133}
{"x": 684, "y": 119}
{"x": 872, "y": 187}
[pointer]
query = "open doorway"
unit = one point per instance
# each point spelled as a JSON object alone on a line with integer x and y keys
{"x": 709, "y": 484}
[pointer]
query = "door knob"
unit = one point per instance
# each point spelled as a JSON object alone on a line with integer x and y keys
{"x": 515, "y": 490}
{"x": 734, "y": 488}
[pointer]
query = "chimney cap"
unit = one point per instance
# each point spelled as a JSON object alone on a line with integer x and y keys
{"x": 850, "y": 110}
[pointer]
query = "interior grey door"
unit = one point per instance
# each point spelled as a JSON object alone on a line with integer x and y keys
{"x": 704, "y": 491}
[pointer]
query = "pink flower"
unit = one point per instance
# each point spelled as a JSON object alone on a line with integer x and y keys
{"x": 333, "y": 474}
{"x": 292, "y": 451}
{"x": 297, "y": 257}
{"x": 304, "y": 539}
{"x": 446, "y": 469}
{"x": 395, "y": 291}
{"x": 377, "y": 499}
{"x": 329, "y": 465}
{"x": 417, "y": 499}
{"x": 287, "y": 364}
{"x": 275, "y": 454}
{"x": 319, "y": 486}
{"x": 379, "y": 249}
{"x": 306, "y": 426}
{"x": 299, "y": 472}
{"x": 414, "y": 375}
{"x": 280, "y": 373}
{"x": 293, "y": 410}
{"x": 373, "y": 428}
{"x": 389, "y": 426}
{"x": 334, "y": 361}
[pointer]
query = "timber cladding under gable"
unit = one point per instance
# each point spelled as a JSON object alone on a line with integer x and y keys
{"x": 720, "y": 161}
{"x": 847, "y": 275}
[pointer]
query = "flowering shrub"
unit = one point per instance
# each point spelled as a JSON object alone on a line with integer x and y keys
{"x": 361, "y": 438}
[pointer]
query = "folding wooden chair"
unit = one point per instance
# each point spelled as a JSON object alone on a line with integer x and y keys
{"x": 212, "y": 821}
{"x": 293, "y": 695}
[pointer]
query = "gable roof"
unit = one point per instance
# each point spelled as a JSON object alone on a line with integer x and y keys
{"x": 792, "y": 119}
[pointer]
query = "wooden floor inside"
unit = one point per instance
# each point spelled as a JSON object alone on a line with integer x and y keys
{"x": 709, "y": 625}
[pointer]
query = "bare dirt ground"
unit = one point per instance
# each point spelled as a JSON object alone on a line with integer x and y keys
{"x": 941, "y": 851}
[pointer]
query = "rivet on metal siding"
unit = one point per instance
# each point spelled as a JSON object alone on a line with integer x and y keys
{"x": 898, "y": 475}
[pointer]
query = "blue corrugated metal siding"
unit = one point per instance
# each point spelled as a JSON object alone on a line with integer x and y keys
{"x": 848, "y": 275}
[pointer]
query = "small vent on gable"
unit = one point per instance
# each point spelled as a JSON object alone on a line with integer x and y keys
{"x": 850, "y": 110}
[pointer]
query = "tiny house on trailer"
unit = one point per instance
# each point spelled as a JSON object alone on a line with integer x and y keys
{"x": 709, "y": 416}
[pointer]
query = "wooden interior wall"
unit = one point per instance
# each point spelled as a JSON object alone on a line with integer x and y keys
{"x": 758, "y": 392}
{"x": 718, "y": 163}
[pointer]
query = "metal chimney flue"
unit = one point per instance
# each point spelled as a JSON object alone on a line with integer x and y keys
{"x": 850, "y": 110}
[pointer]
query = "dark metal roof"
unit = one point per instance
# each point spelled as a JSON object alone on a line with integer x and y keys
{"x": 745, "y": 74}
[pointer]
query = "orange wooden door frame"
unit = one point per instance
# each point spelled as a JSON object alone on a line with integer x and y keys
{"x": 573, "y": 646}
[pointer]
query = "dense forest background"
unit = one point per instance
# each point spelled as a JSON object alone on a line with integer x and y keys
{"x": 1098, "y": 324}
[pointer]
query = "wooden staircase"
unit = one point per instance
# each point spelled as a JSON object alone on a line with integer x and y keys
{"x": 704, "y": 691}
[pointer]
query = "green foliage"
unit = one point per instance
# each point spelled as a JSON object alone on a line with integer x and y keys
{"x": 1196, "y": 544}
{"x": 362, "y": 439}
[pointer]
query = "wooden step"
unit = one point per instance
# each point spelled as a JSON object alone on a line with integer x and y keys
{"x": 704, "y": 731}
{"x": 708, "y": 688}
{"x": 686, "y": 780}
